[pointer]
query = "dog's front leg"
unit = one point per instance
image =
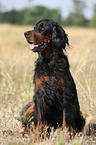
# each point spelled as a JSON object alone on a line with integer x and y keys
{"x": 64, "y": 125}
{"x": 38, "y": 126}
{"x": 27, "y": 115}
{"x": 64, "y": 122}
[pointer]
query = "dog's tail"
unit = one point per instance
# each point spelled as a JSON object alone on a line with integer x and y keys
{"x": 90, "y": 127}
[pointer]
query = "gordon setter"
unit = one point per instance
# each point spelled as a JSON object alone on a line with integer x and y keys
{"x": 55, "y": 103}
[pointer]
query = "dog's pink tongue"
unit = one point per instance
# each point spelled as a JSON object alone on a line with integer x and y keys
{"x": 33, "y": 46}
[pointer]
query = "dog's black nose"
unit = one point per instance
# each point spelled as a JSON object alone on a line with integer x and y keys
{"x": 26, "y": 34}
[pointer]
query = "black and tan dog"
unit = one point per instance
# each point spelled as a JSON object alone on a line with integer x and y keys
{"x": 55, "y": 101}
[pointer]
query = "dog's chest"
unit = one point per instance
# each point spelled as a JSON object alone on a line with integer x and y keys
{"x": 44, "y": 68}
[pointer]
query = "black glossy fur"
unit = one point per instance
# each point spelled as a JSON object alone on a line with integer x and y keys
{"x": 55, "y": 90}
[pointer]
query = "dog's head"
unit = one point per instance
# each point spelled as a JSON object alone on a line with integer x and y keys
{"x": 47, "y": 33}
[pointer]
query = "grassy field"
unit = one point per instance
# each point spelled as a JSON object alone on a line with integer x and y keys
{"x": 16, "y": 86}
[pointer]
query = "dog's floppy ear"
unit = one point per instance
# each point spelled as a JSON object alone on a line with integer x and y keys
{"x": 59, "y": 37}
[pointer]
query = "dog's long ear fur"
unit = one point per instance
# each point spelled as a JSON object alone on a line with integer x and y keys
{"x": 59, "y": 37}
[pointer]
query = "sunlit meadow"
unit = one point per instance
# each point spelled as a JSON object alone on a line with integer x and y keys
{"x": 16, "y": 83}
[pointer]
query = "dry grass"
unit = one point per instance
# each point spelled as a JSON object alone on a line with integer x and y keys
{"x": 16, "y": 88}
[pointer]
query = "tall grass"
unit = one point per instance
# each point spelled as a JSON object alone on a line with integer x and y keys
{"x": 16, "y": 85}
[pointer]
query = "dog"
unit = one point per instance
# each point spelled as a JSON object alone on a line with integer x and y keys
{"x": 55, "y": 102}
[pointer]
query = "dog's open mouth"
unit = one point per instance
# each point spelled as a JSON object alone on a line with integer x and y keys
{"x": 37, "y": 47}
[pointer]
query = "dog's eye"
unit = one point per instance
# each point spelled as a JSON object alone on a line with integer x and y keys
{"x": 41, "y": 28}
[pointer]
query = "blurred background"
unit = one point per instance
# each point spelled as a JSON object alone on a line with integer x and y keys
{"x": 68, "y": 13}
